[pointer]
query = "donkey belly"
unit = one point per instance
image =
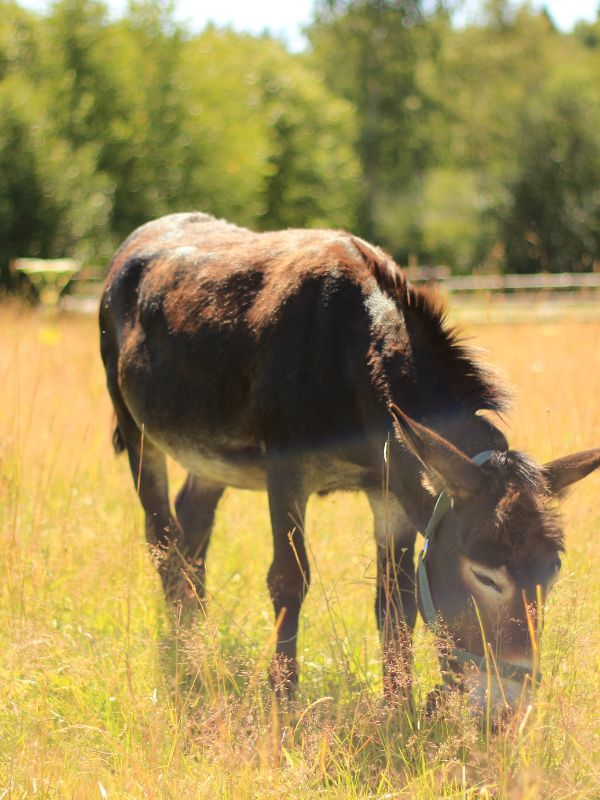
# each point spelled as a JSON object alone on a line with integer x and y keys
{"x": 219, "y": 454}
{"x": 197, "y": 414}
{"x": 241, "y": 467}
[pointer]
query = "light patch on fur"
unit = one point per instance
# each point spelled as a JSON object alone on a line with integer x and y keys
{"x": 382, "y": 309}
{"x": 243, "y": 465}
{"x": 390, "y": 520}
{"x": 332, "y": 474}
{"x": 184, "y": 251}
{"x": 370, "y": 249}
{"x": 224, "y": 472}
{"x": 231, "y": 467}
{"x": 431, "y": 482}
{"x": 493, "y": 599}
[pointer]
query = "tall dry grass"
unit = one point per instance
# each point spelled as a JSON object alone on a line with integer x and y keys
{"x": 101, "y": 695}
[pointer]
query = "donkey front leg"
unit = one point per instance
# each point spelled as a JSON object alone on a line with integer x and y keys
{"x": 395, "y": 603}
{"x": 289, "y": 576}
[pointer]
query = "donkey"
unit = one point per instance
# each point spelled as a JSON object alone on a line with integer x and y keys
{"x": 303, "y": 361}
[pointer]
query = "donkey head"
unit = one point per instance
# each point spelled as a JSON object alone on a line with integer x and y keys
{"x": 495, "y": 555}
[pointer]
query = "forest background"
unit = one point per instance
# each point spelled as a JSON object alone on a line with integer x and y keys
{"x": 476, "y": 146}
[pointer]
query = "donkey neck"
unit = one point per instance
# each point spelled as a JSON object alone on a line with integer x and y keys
{"x": 415, "y": 487}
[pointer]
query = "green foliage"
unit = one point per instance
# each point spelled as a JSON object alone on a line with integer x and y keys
{"x": 313, "y": 174}
{"x": 476, "y": 146}
{"x": 108, "y": 124}
{"x": 444, "y": 217}
{"x": 552, "y": 221}
{"x": 278, "y": 145}
{"x": 382, "y": 46}
{"x": 53, "y": 200}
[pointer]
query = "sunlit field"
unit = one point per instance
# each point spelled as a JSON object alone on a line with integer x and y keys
{"x": 102, "y": 694}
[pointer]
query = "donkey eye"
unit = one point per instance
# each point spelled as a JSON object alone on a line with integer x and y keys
{"x": 486, "y": 581}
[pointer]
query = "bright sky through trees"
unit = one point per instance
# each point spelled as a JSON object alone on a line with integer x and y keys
{"x": 286, "y": 19}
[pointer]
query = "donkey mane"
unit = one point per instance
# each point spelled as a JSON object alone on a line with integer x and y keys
{"x": 472, "y": 384}
{"x": 466, "y": 381}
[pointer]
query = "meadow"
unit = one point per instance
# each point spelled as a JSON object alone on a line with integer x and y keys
{"x": 103, "y": 694}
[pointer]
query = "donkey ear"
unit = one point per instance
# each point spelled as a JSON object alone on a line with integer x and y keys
{"x": 460, "y": 477}
{"x": 567, "y": 470}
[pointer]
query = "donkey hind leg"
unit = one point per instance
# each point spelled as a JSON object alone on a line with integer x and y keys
{"x": 195, "y": 507}
{"x": 395, "y": 603}
{"x": 149, "y": 471}
{"x": 288, "y": 578}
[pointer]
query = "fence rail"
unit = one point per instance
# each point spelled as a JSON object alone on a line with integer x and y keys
{"x": 82, "y": 286}
{"x": 560, "y": 282}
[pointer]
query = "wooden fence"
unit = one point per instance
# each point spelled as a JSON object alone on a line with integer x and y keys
{"x": 82, "y": 290}
{"x": 544, "y": 282}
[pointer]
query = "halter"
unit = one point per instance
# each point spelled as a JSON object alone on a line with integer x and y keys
{"x": 456, "y": 654}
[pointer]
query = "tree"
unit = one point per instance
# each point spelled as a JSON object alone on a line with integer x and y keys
{"x": 278, "y": 144}
{"x": 552, "y": 217}
{"x": 313, "y": 173}
{"x": 53, "y": 200}
{"x": 382, "y": 45}
{"x": 448, "y": 143}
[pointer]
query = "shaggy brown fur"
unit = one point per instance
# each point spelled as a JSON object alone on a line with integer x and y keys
{"x": 271, "y": 361}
